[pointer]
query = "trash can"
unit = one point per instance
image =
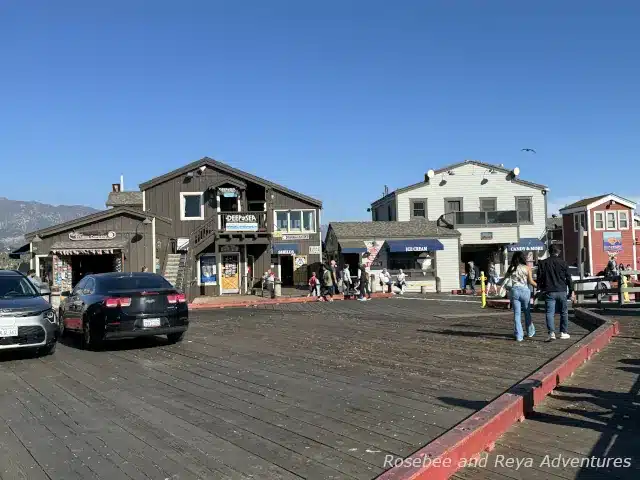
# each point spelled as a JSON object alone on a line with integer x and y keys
{"x": 463, "y": 281}
{"x": 423, "y": 289}
{"x": 278, "y": 289}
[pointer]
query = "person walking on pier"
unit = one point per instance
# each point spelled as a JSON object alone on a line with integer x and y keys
{"x": 519, "y": 278}
{"x": 555, "y": 281}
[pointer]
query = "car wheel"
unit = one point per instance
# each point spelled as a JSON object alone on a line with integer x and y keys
{"x": 47, "y": 350}
{"x": 599, "y": 287}
{"x": 88, "y": 342}
{"x": 175, "y": 337}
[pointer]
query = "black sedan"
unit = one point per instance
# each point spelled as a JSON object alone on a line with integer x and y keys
{"x": 124, "y": 305}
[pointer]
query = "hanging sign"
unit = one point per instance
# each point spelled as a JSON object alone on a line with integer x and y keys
{"x": 241, "y": 223}
{"x": 228, "y": 191}
{"x": 90, "y": 236}
{"x": 314, "y": 250}
{"x": 229, "y": 248}
{"x": 288, "y": 236}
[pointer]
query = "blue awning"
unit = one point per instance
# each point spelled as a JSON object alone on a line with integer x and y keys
{"x": 415, "y": 245}
{"x": 285, "y": 248}
{"x": 352, "y": 246}
{"x": 526, "y": 245}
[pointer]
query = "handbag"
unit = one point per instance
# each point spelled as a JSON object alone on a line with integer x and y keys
{"x": 507, "y": 284}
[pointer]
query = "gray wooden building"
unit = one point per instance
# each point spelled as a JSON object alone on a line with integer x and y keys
{"x": 209, "y": 228}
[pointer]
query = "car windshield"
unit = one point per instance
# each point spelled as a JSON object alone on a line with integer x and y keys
{"x": 128, "y": 282}
{"x": 16, "y": 286}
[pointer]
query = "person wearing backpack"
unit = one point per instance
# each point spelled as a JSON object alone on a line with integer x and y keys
{"x": 472, "y": 276}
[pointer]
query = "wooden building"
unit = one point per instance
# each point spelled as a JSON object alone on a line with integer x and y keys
{"x": 609, "y": 232}
{"x": 209, "y": 228}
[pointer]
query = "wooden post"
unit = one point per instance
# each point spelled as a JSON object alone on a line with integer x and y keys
{"x": 216, "y": 249}
{"x": 581, "y": 251}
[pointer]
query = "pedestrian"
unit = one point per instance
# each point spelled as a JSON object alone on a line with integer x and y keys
{"x": 401, "y": 281}
{"x": 493, "y": 280}
{"x": 346, "y": 281}
{"x": 555, "y": 281}
{"x": 144, "y": 269}
{"x": 472, "y": 275}
{"x": 385, "y": 280}
{"x": 365, "y": 290}
{"x": 334, "y": 277}
{"x": 313, "y": 285}
{"x": 519, "y": 278}
{"x": 35, "y": 280}
{"x": 328, "y": 285}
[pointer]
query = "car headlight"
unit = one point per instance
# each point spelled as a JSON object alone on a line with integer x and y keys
{"x": 49, "y": 315}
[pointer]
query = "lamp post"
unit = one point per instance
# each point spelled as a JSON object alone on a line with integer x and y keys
{"x": 146, "y": 221}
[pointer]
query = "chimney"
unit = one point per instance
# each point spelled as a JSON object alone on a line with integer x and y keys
{"x": 122, "y": 183}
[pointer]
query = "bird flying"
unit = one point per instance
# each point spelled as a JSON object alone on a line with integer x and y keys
{"x": 528, "y": 150}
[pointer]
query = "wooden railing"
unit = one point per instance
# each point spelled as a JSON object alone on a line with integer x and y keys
{"x": 492, "y": 218}
{"x": 618, "y": 286}
{"x": 203, "y": 231}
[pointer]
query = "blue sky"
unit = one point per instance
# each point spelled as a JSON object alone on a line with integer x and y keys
{"x": 333, "y": 98}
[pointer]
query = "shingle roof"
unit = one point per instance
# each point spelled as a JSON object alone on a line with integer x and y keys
{"x": 584, "y": 202}
{"x": 117, "y": 199}
{"x": 413, "y": 229}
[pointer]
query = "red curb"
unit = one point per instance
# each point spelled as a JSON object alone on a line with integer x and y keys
{"x": 271, "y": 301}
{"x": 441, "y": 458}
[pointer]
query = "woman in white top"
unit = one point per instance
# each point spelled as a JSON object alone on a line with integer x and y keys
{"x": 401, "y": 281}
{"x": 519, "y": 277}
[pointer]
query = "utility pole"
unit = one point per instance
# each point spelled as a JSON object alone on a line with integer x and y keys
{"x": 581, "y": 250}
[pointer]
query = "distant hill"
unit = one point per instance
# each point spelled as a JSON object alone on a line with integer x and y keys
{"x": 18, "y": 217}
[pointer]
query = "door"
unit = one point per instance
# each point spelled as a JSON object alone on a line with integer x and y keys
{"x": 286, "y": 265}
{"x": 74, "y": 306}
{"x": 230, "y": 278}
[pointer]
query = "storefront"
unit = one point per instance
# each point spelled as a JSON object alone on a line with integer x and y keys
{"x": 116, "y": 240}
{"x": 427, "y": 255}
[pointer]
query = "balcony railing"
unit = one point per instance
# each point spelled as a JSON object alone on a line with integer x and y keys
{"x": 471, "y": 219}
{"x": 242, "y": 222}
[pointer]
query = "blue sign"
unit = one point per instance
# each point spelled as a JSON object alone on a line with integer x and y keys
{"x": 208, "y": 270}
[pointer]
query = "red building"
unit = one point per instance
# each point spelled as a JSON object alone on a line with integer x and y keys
{"x": 609, "y": 231}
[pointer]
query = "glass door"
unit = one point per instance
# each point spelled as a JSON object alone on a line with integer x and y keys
{"x": 230, "y": 278}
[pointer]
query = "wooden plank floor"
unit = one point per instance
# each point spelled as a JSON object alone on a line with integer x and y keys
{"x": 318, "y": 391}
{"x": 596, "y": 413}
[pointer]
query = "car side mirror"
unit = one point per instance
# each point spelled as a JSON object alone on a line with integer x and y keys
{"x": 45, "y": 290}
{"x": 66, "y": 293}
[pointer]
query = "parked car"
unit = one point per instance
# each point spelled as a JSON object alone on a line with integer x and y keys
{"x": 124, "y": 305}
{"x": 595, "y": 283}
{"x": 26, "y": 318}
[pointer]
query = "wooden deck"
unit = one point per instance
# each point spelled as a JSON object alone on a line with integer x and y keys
{"x": 318, "y": 391}
{"x": 594, "y": 414}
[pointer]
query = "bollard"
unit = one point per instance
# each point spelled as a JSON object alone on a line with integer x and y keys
{"x": 423, "y": 289}
{"x": 625, "y": 295}
{"x": 483, "y": 289}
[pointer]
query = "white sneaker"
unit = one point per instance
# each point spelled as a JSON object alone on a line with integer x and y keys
{"x": 564, "y": 336}
{"x": 551, "y": 337}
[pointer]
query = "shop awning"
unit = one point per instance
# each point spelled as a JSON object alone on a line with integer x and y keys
{"x": 285, "y": 248}
{"x": 88, "y": 247}
{"x": 526, "y": 245}
{"x": 352, "y": 246}
{"x": 19, "y": 251}
{"x": 415, "y": 245}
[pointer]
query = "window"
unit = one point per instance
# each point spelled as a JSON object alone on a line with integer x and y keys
{"x": 598, "y": 220}
{"x": 295, "y": 221}
{"x": 453, "y": 205}
{"x": 419, "y": 208}
{"x": 308, "y": 221}
{"x": 191, "y": 206}
{"x": 523, "y": 206}
{"x": 623, "y": 220}
{"x": 89, "y": 287}
{"x": 611, "y": 221}
{"x": 14, "y": 286}
{"x": 133, "y": 282}
{"x": 488, "y": 204}
{"x": 578, "y": 219}
{"x": 412, "y": 261}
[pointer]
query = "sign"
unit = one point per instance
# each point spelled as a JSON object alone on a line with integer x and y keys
{"x": 486, "y": 235}
{"x": 300, "y": 261}
{"x": 423, "y": 248}
{"x": 286, "y": 252}
{"x": 612, "y": 241}
{"x": 289, "y": 236}
{"x": 208, "y": 270}
{"x": 228, "y": 191}
{"x": 314, "y": 250}
{"x": 89, "y": 236}
{"x": 373, "y": 248}
{"x": 241, "y": 223}
{"x": 229, "y": 248}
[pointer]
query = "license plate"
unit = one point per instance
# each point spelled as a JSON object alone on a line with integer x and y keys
{"x": 8, "y": 331}
{"x": 151, "y": 322}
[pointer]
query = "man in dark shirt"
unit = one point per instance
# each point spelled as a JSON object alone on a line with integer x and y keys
{"x": 555, "y": 281}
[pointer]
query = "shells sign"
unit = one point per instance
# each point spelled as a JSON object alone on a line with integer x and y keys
{"x": 612, "y": 241}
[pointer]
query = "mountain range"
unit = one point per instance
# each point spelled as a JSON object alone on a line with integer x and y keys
{"x": 18, "y": 217}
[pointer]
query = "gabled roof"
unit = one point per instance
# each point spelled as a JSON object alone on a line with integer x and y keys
{"x": 117, "y": 199}
{"x": 591, "y": 202}
{"x": 94, "y": 217}
{"x": 498, "y": 168}
{"x": 414, "y": 229}
{"x": 223, "y": 167}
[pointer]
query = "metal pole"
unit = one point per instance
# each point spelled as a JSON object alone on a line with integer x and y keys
{"x": 483, "y": 290}
{"x": 581, "y": 250}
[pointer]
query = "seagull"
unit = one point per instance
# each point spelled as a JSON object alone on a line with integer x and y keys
{"x": 528, "y": 150}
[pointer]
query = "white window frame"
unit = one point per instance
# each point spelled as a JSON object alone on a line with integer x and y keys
{"x": 182, "y": 205}
{"x": 625, "y": 214}
{"x": 615, "y": 220}
{"x": 602, "y": 219}
{"x": 576, "y": 224}
{"x": 302, "y": 231}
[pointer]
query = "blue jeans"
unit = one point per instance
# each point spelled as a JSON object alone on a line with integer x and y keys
{"x": 520, "y": 301}
{"x": 551, "y": 300}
